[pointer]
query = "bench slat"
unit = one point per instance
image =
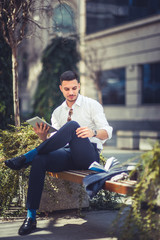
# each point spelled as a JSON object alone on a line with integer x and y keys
{"x": 76, "y": 176}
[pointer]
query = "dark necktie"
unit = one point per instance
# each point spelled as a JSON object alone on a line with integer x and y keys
{"x": 69, "y": 115}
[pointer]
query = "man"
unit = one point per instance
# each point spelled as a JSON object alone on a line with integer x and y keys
{"x": 82, "y": 129}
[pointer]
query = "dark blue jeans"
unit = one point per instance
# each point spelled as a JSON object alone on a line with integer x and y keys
{"x": 53, "y": 156}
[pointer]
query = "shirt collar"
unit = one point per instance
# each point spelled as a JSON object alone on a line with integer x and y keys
{"x": 77, "y": 102}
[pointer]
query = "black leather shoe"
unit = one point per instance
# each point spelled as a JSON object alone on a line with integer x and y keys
{"x": 27, "y": 227}
{"x": 16, "y": 163}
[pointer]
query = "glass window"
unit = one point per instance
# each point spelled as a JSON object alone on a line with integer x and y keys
{"x": 113, "y": 86}
{"x": 63, "y": 19}
{"x": 151, "y": 83}
{"x": 104, "y": 14}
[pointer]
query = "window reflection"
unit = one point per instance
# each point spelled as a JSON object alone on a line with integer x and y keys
{"x": 113, "y": 86}
{"x": 151, "y": 83}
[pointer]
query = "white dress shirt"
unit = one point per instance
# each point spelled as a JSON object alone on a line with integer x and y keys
{"x": 87, "y": 112}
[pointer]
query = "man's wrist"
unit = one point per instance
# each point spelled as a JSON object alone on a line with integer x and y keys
{"x": 94, "y": 133}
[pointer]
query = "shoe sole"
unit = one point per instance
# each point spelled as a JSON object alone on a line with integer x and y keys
{"x": 26, "y": 233}
{"x": 10, "y": 165}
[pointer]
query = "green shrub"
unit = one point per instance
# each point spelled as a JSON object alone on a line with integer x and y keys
{"x": 14, "y": 142}
{"x": 105, "y": 200}
{"x": 143, "y": 217}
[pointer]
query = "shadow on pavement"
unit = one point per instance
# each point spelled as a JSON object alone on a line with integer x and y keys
{"x": 95, "y": 225}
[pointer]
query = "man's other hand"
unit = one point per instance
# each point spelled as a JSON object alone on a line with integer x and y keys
{"x": 41, "y": 130}
{"x": 84, "y": 132}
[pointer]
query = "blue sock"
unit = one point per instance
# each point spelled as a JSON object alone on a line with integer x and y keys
{"x": 30, "y": 155}
{"x": 31, "y": 213}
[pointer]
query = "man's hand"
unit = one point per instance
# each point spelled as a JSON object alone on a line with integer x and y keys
{"x": 84, "y": 132}
{"x": 41, "y": 130}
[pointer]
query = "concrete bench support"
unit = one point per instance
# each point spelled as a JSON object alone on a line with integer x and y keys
{"x": 142, "y": 140}
{"x": 127, "y": 139}
{"x": 147, "y": 139}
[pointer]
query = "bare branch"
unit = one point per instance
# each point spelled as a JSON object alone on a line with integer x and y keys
{"x": 36, "y": 24}
{"x": 15, "y": 15}
{"x": 4, "y": 33}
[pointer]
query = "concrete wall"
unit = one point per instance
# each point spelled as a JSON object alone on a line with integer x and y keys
{"x": 129, "y": 46}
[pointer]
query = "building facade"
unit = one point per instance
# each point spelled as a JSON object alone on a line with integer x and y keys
{"x": 126, "y": 53}
{"x": 120, "y": 49}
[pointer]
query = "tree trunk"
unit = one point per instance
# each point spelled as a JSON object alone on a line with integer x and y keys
{"x": 15, "y": 87}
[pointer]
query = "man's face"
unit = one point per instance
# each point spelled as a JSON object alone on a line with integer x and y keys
{"x": 70, "y": 90}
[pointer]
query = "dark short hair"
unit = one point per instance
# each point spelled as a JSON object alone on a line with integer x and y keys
{"x": 68, "y": 76}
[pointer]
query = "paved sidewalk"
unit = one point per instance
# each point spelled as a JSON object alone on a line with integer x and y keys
{"x": 96, "y": 225}
{"x": 122, "y": 155}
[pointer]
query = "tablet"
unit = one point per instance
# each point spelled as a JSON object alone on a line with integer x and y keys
{"x": 33, "y": 121}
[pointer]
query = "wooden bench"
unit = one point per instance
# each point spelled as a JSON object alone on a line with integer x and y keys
{"x": 122, "y": 187}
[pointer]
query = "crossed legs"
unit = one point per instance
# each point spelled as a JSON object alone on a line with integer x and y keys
{"x": 54, "y": 157}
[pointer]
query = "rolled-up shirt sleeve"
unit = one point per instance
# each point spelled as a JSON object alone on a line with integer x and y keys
{"x": 100, "y": 120}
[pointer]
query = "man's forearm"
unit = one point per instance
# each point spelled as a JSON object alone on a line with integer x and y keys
{"x": 102, "y": 134}
{"x": 42, "y": 137}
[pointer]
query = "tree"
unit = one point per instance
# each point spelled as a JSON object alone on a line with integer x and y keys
{"x": 61, "y": 55}
{"x": 14, "y": 15}
{"x": 6, "y": 96}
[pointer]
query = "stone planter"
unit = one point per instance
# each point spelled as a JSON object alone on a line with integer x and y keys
{"x": 62, "y": 195}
